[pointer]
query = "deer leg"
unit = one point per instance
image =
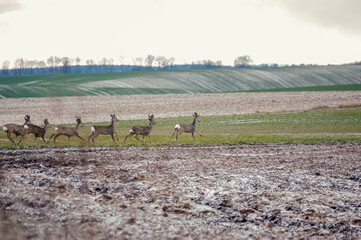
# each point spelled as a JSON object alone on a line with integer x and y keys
{"x": 43, "y": 139}
{"x": 56, "y": 136}
{"x": 150, "y": 141}
{"x": 90, "y": 137}
{"x": 198, "y": 132}
{"x": 112, "y": 136}
{"x": 51, "y": 137}
{"x": 117, "y": 136}
{"x": 21, "y": 139}
{"x": 79, "y": 137}
{"x": 171, "y": 136}
{"x": 193, "y": 136}
{"x": 68, "y": 140}
{"x": 129, "y": 135}
{"x": 136, "y": 136}
{"x": 9, "y": 136}
{"x": 94, "y": 136}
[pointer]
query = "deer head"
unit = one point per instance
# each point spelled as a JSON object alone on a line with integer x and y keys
{"x": 46, "y": 122}
{"x": 196, "y": 116}
{"x": 114, "y": 118}
{"x": 27, "y": 119}
{"x": 150, "y": 118}
{"x": 78, "y": 120}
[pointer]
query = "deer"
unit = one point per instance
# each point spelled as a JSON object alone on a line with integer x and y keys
{"x": 68, "y": 131}
{"x": 104, "y": 130}
{"x": 144, "y": 131}
{"x": 36, "y": 130}
{"x": 186, "y": 128}
{"x": 16, "y": 129}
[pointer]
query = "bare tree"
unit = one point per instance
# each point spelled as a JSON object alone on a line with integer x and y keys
{"x": 149, "y": 60}
{"x": 77, "y": 62}
{"x": 5, "y": 68}
{"x": 161, "y": 61}
{"x": 121, "y": 60}
{"x": 243, "y": 61}
{"x": 138, "y": 61}
{"x": 42, "y": 66}
{"x": 91, "y": 64}
{"x": 19, "y": 66}
{"x": 66, "y": 64}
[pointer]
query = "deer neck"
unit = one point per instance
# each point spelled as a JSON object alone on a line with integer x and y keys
{"x": 195, "y": 121}
{"x": 46, "y": 127}
{"x": 112, "y": 125}
{"x": 77, "y": 127}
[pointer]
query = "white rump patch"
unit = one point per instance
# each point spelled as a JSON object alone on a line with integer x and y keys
{"x": 56, "y": 128}
{"x": 26, "y": 127}
{"x": 131, "y": 131}
{"x": 5, "y": 128}
{"x": 92, "y": 129}
{"x": 177, "y": 126}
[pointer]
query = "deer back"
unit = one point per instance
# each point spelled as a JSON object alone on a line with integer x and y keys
{"x": 106, "y": 130}
{"x": 70, "y": 131}
{"x": 36, "y": 130}
{"x": 144, "y": 130}
{"x": 15, "y": 128}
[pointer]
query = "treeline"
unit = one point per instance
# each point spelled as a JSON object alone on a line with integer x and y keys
{"x": 65, "y": 65}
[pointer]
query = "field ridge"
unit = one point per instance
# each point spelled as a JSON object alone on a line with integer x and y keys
{"x": 317, "y": 78}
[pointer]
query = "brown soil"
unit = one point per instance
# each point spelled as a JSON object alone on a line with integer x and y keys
{"x": 97, "y": 109}
{"x": 218, "y": 192}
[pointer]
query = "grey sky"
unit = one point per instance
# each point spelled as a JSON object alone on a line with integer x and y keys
{"x": 270, "y": 31}
{"x": 9, "y": 6}
{"x": 342, "y": 14}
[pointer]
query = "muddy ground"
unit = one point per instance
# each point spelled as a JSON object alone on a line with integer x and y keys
{"x": 179, "y": 192}
{"x": 182, "y": 192}
{"x": 97, "y": 109}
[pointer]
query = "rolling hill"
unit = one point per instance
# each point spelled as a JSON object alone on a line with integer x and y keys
{"x": 310, "y": 78}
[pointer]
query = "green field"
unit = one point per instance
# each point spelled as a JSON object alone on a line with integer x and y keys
{"x": 311, "y": 78}
{"x": 313, "y": 126}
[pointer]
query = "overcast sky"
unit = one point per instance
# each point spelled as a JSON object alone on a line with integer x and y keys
{"x": 270, "y": 31}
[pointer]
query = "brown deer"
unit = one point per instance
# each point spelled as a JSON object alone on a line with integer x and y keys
{"x": 189, "y": 128}
{"x": 144, "y": 131}
{"x": 68, "y": 131}
{"x": 16, "y": 129}
{"x": 104, "y": 130}
{"x": 36, "y": 130}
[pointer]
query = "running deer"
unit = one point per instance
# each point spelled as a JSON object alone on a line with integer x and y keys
{"x": 68, "y": 131}
{"x": 104, "y": 130}
{"x": 189, "y": 128}
{"x": 16, "y": 129}
{"x": 36, "y": 130}
{"x": 144, "y": 131}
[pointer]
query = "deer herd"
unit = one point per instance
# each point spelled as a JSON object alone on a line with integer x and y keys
{"x": 60, "y": 130}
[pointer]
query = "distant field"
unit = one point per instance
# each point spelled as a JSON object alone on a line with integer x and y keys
{"x": 314, "y": 78}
